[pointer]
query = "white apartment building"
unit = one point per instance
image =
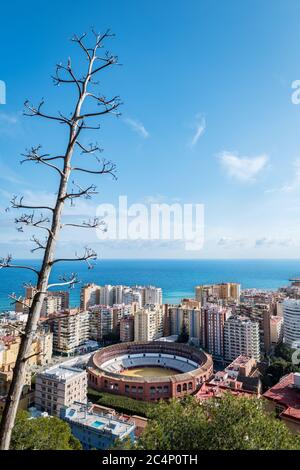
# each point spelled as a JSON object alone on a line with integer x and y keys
{"x": 153, "y": 295}
{"x": 131, "y": 296}
{"x": 101, "y": 321}
{"x": 291, "y": 322}
{"x": 70, "y": 330}
{"x": 241, "y": 338}
{"x": 60, "y": 386}
{"x": 190, "y": 317}
{"x": 149, "y": 323}
{"x": 107, "y": 294}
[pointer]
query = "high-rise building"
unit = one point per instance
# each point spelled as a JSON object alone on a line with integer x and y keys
{"x": 101, "y": 321}
{"x": 213, "y": 318}
{"x": 118, "y": 294}
{"x": 153, "y": 295}
{"x": 127, "y": 329}
{"x": 260, "y": 312}
{"x": 291, "y": 322}
{"x": 107, "y": 295}
{"x": 54, "y": 301}
{"x": 89, "y": 296}
{"x": 184, "y": 315}
{"x": 227, "y": 291}
{"x": 149, "y": 323}
{"x": 241, "y": 337}
{"x": 131, "y": 296}
{"x": 71, "y": 329}
{"x": 276, "y": 330}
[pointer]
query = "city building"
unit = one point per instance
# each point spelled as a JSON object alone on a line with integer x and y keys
{"x": 96, "y": 428}
{"x": 89, "y": 296}
{"x": 107, "y": 295}
{"x": 60, "y": 386}
{"x": 131, "y": 296}
{"x": 291, "y": 322}
{"x": 41, "y": 353}
{"x": 242, "y": 374}
{"x": 213, "y": 318}
{"x": 149, "y": 323}
{"x": 127, "y": 329}
{"x": 185, "y": 315}
{"x": 54, "y": 301}
{"x": 241, "y": 338}
{"x": 227, "y": 291}
{"x": 101, "y": 320}
{"x": 284, "y": 399}
{"x": 71, "y": 329}
{"x": 260, "y": 312}
{"x": 276, "y": 330}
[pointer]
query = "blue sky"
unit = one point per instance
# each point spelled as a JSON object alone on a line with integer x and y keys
{"x": 207, "y": 117}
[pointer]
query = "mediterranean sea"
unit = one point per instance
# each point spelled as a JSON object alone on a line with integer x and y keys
{"x": 177, "y": 278}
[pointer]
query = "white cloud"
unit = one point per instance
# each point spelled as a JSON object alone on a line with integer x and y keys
{"x": 8, "y": 118}
{"x": 137, "y": 126}
{"x": 295, "y": 183}
{"x": 200, "y": 127}
{"x": 243, "y": 168}
{"x": 264, "y": 241}
{"x": 230, "y": 242}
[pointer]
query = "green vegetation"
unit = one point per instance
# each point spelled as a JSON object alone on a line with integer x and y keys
{"x": 121, "y": 404}
{"x": 281, "y": 364}
{"x": 183, "y": 337}
{"x": 232, "y": 423}
{"x": 49, "y": 433}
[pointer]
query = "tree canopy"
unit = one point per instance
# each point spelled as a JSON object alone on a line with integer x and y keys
{"x": 49, "y": 433}
{"x": 183, "y": 337}
{"x": 230, "y": 423}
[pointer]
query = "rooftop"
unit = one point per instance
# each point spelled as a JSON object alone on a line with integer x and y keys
{"x": 61, "y": 372}
{"x": 101, "y": 421}
{"x": 286, "y": 394}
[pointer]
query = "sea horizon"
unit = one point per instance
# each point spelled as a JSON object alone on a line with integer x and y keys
{"x": 176, "y": 277}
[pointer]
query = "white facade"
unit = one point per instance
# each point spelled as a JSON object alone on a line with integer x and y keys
{"x": 241, "y": 338}
{"x": 149, "y": 323}
{"x": 60, "y": 386}
{"x": 291, "y": 321}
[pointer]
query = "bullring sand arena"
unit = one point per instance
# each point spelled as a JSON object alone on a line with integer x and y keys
{"x": 149, "y": 371}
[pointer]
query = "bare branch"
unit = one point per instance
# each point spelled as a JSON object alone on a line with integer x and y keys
{"x": 36, "y": 111}
{"x": 86, "y": 193}
{"x": 33, "y": 155}
{"x": 29, "y": 220}
{"x": 96, "y": 222}
{"x": 39, "y": 244}
{"x": 5, "y": 263}
{"x": 66, "y": 281}
{"x": 58, "y": 79}
{"x": 17, "y": 203}
{"x": 106, "y": 167}
{"x": 79, "y": 41}
{"x": 91, "y": 149}
{"x": 109, "y": 108}
{"x": 88, "y": 255}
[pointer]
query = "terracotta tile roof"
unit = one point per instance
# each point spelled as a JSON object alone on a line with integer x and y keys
{"x": 287, "y": 395}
